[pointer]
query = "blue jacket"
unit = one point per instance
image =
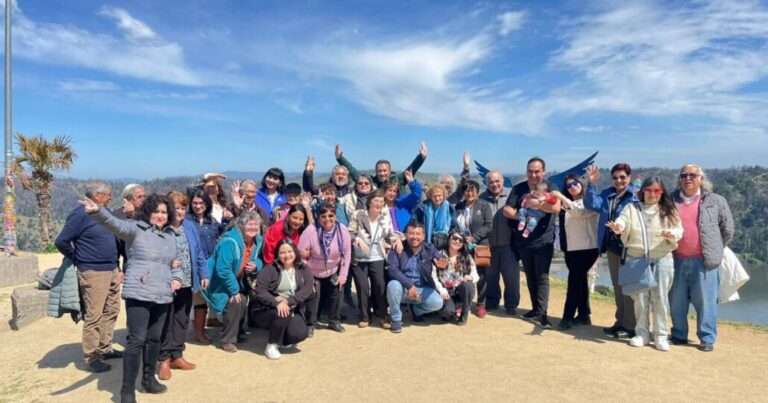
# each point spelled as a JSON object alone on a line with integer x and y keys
{"x": 223, "y": 266}
{"x": 406, "y": 204}
{"x": 396, "y": 264}
{"x": 199, "y": 262}
{"x": 262, "y": 199}
{"x": 209, "y": 231}
{"x": 86, "y": 243}
{"x": 601, "y": 203}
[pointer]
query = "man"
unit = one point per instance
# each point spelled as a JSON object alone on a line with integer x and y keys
{"x": 449, "y": 182}
{"x": 504, "y": 258}
{"x": 339, "y": 178}
{"x": 244, "y": 200}
{"x": 133, "y": 197}
{"x": 412, "y": 281}
{"x": 707, "y": 229}
{"x": 93, "y": 251}
{"x": 535, "y": 250}
{"x": 383, "y": 169}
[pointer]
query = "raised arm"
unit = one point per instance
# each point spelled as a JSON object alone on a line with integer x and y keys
{"x": 353, "y": 174}
{"x": 307, "y": 179}
{"x": 414, "y": 165}
{"x": 123, "y": 229}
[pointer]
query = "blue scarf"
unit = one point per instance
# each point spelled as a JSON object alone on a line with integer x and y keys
{"x": 436, "y": 220}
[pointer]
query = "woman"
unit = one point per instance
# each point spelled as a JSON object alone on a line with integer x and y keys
{"x": 270, "y": 195}
{"x": 326, "y": 249}
{"x": 194, "y": 277}
{"x": 578, "y": 240}
{"x": 235, "y": 255}
{"x": 435, "y": 213}
{"x": 373, "y": 237}
{"x": 211, "y": 184}
{"x": 291, "y": 226}
{"x": 209, "y": 231}
{"x": 609, "y": 203}
{"x": 294, "y": 196}
{"x": 474, "y": 219}
{"x": 355, "y": 200}
{"x": 278, "y": 297}
{"x": 401, "y": 206}
{"x": 456, "y": 283}
{"x": 152, "y": 275}
{"x": 664, "y": 229}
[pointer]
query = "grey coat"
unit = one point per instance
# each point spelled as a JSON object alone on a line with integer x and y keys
{"x": 148, "y": 272}
{"x": 482, "y": 219}
{"x": 65, "y": 293}
{"x": 715, "y": 226}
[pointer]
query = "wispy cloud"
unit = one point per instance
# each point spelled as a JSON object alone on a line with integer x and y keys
{"x": 132, "y": 27}
{"x": 511, "y": 21}
{"x": 320, "y": 142}
{"x": 78, "y": 85}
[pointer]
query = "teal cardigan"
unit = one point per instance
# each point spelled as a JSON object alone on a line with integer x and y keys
{"x": 223, "y": 266}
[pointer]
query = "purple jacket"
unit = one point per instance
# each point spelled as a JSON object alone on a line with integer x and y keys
{"x": 338, "y": 258}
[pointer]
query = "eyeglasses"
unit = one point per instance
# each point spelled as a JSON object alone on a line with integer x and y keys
{"x": 620, "y": 178}
{"x": 653, "y": 191}
{"x": 686, "y": 175}
{"x": 572, "y": 184}
{"x": 457, "y": 239}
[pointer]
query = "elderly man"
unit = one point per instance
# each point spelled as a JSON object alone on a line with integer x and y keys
{"x": 244, "y": 200}
{"x": 383, "y": 169}
{"x": 133, "y": 197}
{"x": 412, "y": 281}
{"x": 535, "y": 250}
{"x": 707, "y": 229}
{"x": 93, "y": 250}
{"x": 339, "y": 178}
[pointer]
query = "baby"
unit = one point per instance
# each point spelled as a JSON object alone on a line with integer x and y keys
{"x": 529, "y": 216}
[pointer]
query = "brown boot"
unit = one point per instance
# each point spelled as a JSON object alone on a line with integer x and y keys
{"x": 165, "y": 370}
{"x": 200, "y": 315}
{"x": 182, "y": 364}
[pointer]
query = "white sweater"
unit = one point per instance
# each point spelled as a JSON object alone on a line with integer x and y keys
{"x": 632, "y": 235}
{"x": 580, "y": 226}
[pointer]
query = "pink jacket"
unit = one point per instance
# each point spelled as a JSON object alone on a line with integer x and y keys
{"x": 317, "y": 262}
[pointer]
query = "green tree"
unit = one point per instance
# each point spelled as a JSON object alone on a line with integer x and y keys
{"x": 37, "y": 158}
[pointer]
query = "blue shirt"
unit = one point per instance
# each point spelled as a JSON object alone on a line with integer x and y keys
{"x": 412, "y": 271}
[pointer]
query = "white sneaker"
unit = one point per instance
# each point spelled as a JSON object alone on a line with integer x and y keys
{"x": 272, "y": 352}
{"x": 661, "y": 343}
{"x": 637, "y": 341}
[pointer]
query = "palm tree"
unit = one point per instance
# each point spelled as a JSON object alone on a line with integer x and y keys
{"x": 37, "y": 157}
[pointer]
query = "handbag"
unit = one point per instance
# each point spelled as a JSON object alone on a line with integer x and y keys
{"x": 638, "y": 275}
{"x": 482, "y": 255}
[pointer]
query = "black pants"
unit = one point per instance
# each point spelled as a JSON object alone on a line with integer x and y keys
{"x": 504, "y": 264}
{"x": 145, "y": 321}
{"x": 373, "y": 293}
{"x": 536, "y": 263}
{"x": 282, "y": 331}
{"x": 325, "y": 292}
{"x": 577, "y": 298}
{"x": 176, "y": 323}
{"x": 465, "y": 292}
{"x": 233, "y": 316}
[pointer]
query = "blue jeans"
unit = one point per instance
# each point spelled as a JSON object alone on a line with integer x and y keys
{"x": 429, "y": 300}
{"x": 694, "y": 284}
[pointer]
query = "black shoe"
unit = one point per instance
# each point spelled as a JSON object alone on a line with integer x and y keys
{"x": 511, "y": 311}
{"x": 544, "y": 322}
{"x": 565, "y": 324}
{"x": 336, "y": 327}
{"x": 677, "y": 342}
{"x": 128, "y": 397}
{"x": 530, "y": 315}
{"x": 463, "y": 318}
{"x": 151, "y": 385}
{"x": 97, "y": 366}
{"x": 582, "y": 320}
{"x": 417, "y": 318}
{"x": 624, "y": 334}
{"x": 310, "y": 332}
{"x": 707, "y": 348}
{"x": 112, "y": 355}
{"x": 611, "y": 331}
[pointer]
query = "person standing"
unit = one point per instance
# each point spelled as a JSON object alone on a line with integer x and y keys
{"x": 707, "y": 229}
{"x": 535, "y": 250}
{"x": 93, "y": 251}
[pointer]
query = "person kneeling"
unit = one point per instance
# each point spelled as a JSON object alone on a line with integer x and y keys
{"x": 278, "y": 294}
{"x": 412, "y": 280}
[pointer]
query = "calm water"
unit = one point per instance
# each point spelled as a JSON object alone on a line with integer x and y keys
{"x": 752, "y": 307}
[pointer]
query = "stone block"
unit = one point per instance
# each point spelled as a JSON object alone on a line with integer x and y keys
{"x": 28, "y": 304}
{"x": 18, "y": 270}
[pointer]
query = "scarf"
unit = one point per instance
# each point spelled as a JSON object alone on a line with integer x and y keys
{"x": 436, "y": 220}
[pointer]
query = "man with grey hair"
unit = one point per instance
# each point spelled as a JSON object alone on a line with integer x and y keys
{"x": 339, "y": 178}
{"x": 244, "y": 200}
{"x": 707, "y": 229}
{"x": 93, "y": 251}
{"x": 133, "y": 197}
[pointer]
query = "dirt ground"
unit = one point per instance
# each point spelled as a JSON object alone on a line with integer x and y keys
{"x": 491, "y": 359}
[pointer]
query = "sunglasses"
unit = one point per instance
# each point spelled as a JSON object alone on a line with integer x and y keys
{"x": 686, "y": 175}
{"x": 572, "y": 185}
{"x": 652, "y": 191}
{"x": 620, "y": 178}
{"x": 457, "y": 239}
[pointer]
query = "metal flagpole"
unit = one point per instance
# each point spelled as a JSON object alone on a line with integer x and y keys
{"x": 9, "y": 199}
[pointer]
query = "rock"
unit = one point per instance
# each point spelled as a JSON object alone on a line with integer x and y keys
{"x": 29, "y": 304}
{"x": 18, "y": 270}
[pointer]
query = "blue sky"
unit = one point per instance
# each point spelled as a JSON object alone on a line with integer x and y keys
{"x": 163, "y": 88}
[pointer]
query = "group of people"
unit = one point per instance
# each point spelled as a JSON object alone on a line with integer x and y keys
{"x": 277, "y": 255}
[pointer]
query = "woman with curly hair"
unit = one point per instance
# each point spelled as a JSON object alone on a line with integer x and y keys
{"x": 456, "y": 283}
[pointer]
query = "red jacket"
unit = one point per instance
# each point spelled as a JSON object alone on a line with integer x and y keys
{"x": 275, "y": 233}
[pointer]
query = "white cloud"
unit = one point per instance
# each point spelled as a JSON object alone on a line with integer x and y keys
{"x": 320, "y": 142}
{"x": 132, "y": 27}
{"x": 81, "y": 85}
{"x": 511, "y": 21}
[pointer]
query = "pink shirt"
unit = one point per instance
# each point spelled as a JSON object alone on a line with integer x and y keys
{"x": 690, "y": 244}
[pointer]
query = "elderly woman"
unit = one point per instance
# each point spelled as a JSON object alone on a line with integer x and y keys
{"x": 456, "y": 282}
{"x": 194, "y": 277}
{"x": 436, "y": 215}
{"x": 326, "y": 249}
{"x": 211, "y": 184}
{"x": 659, "y": 215}
{"x": 578, "y": 239}
{"x": 401, "y": 207}
{"x": 271, "y": 193}
{"x": 355, "y": 200}
{"x": 278, "y": 296}
{"x": 291, "y": 226}
{"x": 152, "y": 275}
{"x": 373, "y": 237}
{"x": 236, "y": 254}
